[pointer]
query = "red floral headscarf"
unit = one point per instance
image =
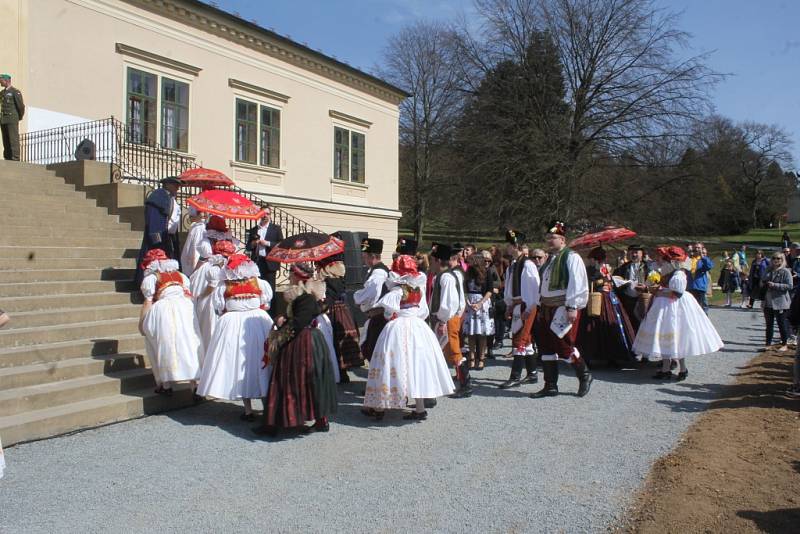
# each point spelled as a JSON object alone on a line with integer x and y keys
{"x": 224, "y": 248}
{"x": 235, "y": 260}
{"x": 154, "y": 254}
{"x": 405, "y": 264}
{"x": 215, "y": 222}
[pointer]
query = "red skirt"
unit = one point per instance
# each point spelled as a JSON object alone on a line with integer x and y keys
{"x": 608, "y": 337}
{"x": 345, "y": 336}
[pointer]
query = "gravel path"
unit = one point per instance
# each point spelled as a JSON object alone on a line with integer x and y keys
{"x": 498, "y": 462}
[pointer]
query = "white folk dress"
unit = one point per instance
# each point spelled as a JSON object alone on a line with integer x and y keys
{"x": 676, "y": 327}
{"x": 190, "y": 255}
{"x": 408, "y": 362}
{"x": 233, "y": 367}
{"x": 170, "y": 327}
{"x": 206, "y": 276}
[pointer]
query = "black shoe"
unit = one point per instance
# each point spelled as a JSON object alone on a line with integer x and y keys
{"x": 663, "y": 375}
{"x": 531, "y": 378}
{"x": 510, "y": 383}
{"x": 344, "y": 378}
{"x": 267, "y": 431}
{"x": 414, "y": 416}
{"x": 249, "y": 417}
{"x": 316, "y": 427}
{"x": 585, "y": 384}
{"x": 166, "y": 392}
{"x": 429, "y": 403}
{"x": 682, "y": 376}
{"x": 463, "y": 392}
{"x": 498, "y": 345}
{"x": 547, "y": 391}
{"x": 673, "y": 365}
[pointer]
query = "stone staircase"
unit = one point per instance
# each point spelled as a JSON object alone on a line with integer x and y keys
{"x": 72, "y": 356}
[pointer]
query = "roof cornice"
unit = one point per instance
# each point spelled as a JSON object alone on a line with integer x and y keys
{"x": 227, "y": 26}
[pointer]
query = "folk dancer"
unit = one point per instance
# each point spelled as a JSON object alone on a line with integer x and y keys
{"x": 168, "y": 323}
{"x": 676, "y": 326}
{"x": 302, "y": 387}
{"x": 522, "y": 298}
{"x": 563, "y": 295}
{"x": 233, "y": 365}
{"x": 204, "y": 281}
{"x": 447, "y": 307}
{"x": 189, "y": 255}
{"x": 367, "y": 298}
{"x": 407, "y": 362}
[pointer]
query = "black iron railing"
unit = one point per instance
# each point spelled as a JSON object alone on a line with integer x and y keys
{"x": 110, "y": 141}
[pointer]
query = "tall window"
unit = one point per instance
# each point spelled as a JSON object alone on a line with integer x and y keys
{"x": 174, "y": 114}
{"x": 349, "y": 155}
{"x": 258, "y": 134}
{"x": 141, "y": 106}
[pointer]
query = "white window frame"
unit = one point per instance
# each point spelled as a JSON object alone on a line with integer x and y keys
{"x": 259, "y": 104}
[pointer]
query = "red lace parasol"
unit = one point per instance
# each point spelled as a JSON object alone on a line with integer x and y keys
{"x": 204, "y": 178}
{"x": 609, "y": 234}
{"x": 226, "y": 204}
{"x": 309, "y": 246}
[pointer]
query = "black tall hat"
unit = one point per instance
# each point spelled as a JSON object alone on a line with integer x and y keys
{"x": 515, "y": 237}
{"x": 406, "y": 245}
{"x": 442, "y": 252}
{"x": 372, "y": 246}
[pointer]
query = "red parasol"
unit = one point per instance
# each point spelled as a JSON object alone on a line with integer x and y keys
{"x": 205, "y": 178}
{"x": 226, "y": 204}
{"x": 309, "y": 246}
{"x": 609, "y": 234}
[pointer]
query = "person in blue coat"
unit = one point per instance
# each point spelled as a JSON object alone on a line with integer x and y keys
{"x": 701, "y": 267}
{"x": 162, "y": 220}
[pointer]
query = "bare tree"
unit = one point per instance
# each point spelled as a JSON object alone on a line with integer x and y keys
{"x": 419, "y": 60}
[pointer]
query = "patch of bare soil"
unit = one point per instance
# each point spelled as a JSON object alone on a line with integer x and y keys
{"x": 737, "y": 469}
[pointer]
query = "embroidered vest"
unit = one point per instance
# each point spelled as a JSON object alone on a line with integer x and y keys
{"x": 242, "y": 289}
{"x": 412, "y": 296}
{"x": 516, "y": 276}
{"x": 165, "y": 280}
{"x": 381, "y": 267}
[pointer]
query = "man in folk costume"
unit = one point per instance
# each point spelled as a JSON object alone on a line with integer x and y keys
{"x": 204, "y": 280}
{"x": 522, "y": 298}
{"x": 162, "y": 220}
{"x": 564, "y": 293}
{"x": 447, "y": 307}
{"x": 634, "y": 274}
{"x": 189, "y": 255}
{"x": 168, "y": 323}
{"x": 368, "y": 297}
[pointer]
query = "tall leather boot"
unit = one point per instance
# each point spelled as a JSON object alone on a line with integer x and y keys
{"x": 585, "y": 378}
{"x": 550, "y": 389}
{"x": 465, "y": 385}
{"x": 532, "y": 375}
{"x": 516, "y": 372}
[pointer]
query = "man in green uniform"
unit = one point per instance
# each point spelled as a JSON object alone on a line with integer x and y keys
{"x": 12, "y": 109}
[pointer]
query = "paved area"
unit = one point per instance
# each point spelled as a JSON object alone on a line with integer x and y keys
{"x": 498, "y": 462}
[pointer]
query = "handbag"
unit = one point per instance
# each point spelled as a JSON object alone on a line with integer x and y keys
{"x": 595, "y": 305}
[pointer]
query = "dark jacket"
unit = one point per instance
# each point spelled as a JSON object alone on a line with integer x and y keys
{"x": 12, "y": 108}
{"x": 274, "y": 235}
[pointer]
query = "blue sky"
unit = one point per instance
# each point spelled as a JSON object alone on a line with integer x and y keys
{"x": 756, "y": 42}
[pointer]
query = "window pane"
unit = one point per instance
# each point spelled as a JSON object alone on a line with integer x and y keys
{"x": 270, "y": 137}
{"x": 357, "y": 173}
{"x": 341, "y": 154}
{"x": 174, "y": 114}
{"x": 141, "y": 104}
{"x": 246, "y": 131}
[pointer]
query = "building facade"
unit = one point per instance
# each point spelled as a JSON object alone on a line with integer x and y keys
{"x": 313, "y": 135}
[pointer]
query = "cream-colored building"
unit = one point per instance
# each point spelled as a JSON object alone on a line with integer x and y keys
{"x": 315, "y": 136}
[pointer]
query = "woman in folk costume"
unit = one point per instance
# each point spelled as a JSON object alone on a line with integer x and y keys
{"x": 408, "y": 362}
{"x": 345, "y": 331}
{"x": 302, "y": 387}
{"x": 609, "y": 335}
{"x": 190, "y": 254}
{"x": 204, "y": 281}
{"x": 168, "y": 323}
{"x": 232, "y": 368}
{"x": 675, "y": 326}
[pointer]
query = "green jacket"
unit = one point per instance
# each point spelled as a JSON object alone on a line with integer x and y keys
{"x": 12, "y": 108}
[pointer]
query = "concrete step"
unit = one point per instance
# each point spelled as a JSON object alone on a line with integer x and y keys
{"x": 24, "y": 289}
{"x": 40, "y": 396}
{"x": 8, "y": 167}
{"x": 36, "y": 193}
{"x": 66, "y": 300}
{"x": 49, "y": 187}
{"x": 48, "y": 252}
{"x": 73, "y": 221}
{"x": 64, "y": 275}
{"x": 88, "y": 414}
{"x": 56, "y": 333}
{"x": 52, "y": 206}
{"x": 72, "y": 315}
{"x": 43, "y": 373}
{"x": 37, "y": 263}
{"x": 107, "y": 229}
{"x": 68, "y": 350}
{"x": 81, "y": 238}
